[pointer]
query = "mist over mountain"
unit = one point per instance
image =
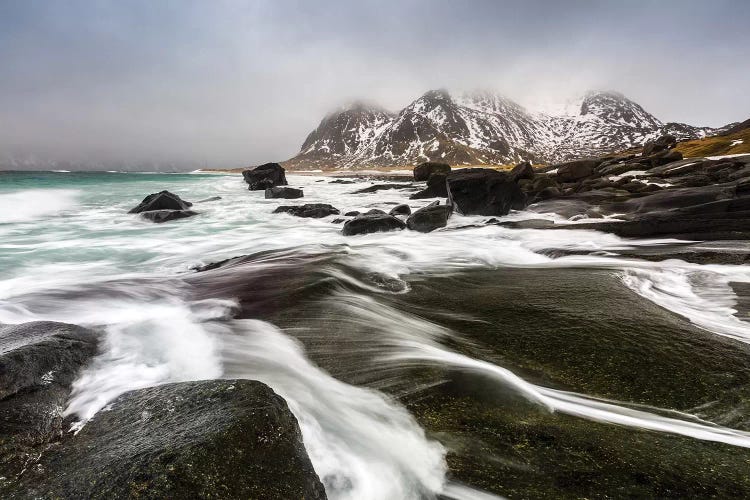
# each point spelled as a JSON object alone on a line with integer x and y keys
{"x": 482, "y": 127}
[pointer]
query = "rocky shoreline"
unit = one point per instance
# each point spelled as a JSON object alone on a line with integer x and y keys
{"x": 237, "y": 438}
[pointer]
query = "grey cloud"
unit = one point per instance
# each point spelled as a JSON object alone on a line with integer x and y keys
{"x": 237, "y": 83}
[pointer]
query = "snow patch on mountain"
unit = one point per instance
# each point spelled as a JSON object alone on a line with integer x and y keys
{"x": 481, "y": 127}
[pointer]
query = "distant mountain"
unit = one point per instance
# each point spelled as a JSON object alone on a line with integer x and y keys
{"x": 481, "y": 128}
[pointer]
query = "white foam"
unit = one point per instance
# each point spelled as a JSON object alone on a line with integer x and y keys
{"x": 31, "y": 204}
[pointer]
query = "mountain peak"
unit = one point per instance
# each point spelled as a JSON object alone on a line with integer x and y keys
{"x": 479, "y": 127}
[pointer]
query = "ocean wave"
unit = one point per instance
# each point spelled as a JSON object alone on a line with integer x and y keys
{"x": 28, "y": 205}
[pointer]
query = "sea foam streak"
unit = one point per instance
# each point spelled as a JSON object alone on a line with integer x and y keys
{"x": 31, "y": 204}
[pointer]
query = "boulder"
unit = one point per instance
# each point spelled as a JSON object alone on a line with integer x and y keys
{"x": 311, "y": 210}
{"x": 353, "y": 213}
{"x": 436, "y": 188}
{"x": 163, "y": 200}
{"x": 402, "y": 209}
{"x": 523, "y": 170}
{"x": 207, "y": 439}
{"x": 479, "y": 191}
{"x": 372, "y": 223}
{"x": 38, "y": 363}
{"x": 572, "y": 171}
{"x": 265, "y": 176}
{"x": 159, "y": 216}
{"x": 429, "y": 218}
{"x": 284, "y": 192}
{"x": 423, "y": 171}
{"x": 375, "y": 211}
{"x": 659, "y": 144}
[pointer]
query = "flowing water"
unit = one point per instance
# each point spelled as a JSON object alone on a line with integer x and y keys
{"x": 413, "y": 362}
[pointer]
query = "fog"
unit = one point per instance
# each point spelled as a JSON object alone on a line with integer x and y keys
{"x": 228, "y": 83}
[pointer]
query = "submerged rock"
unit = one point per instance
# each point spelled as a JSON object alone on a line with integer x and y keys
{"x": 265, "y": 176}
{"x": 423, "y": 171}
{"x": 167, "y": 215}
{"x": 208, "y": 439}
{"x": 310, "y": 210}
{"x": 163, "y": 200}
{"x": 479, "y": 191}
{"x": 284, "y": 192}
{"x": 372, "y": 223}
{"x": 38, "y": 363}
{"x": 429, "y": 218}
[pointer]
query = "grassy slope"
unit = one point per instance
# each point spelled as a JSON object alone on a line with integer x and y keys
{"x": 717, "y": 145}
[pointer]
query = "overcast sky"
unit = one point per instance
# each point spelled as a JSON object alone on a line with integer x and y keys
{"x": 235, "y": 83}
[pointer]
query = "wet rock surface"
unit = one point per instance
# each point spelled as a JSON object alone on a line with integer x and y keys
{"x": 265, "y": 176}
{"x": 478, "y": 191}
{"x": 284, "y": 192}
{"x": 159, "y": 216}
{"x": 308, "y": 210}
{"x": 38, "y": 363}
{"x": 163, "y": 200}
{"x": 372, "y": 223}
{"x": 209, "y": 439}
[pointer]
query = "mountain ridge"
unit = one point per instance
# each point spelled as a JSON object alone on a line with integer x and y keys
{"x": 481, "y": 127}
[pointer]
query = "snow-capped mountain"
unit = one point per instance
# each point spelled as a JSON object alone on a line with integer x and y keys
{"x": 480, "y": 128}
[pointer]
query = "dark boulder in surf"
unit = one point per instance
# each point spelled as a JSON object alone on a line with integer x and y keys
{"x": 208, "y": 439}
{"x": 265, "y": 176}
{"x": 429, "y": 218}
{"x": 163, "y": 200}
{"x": 436, "y": 188}
{"x": 159, "y": 216}
{"x": 284, "y": 192}
{"x": 309, "y": 210}
{"x": 402, "y": 209}
{"x": 423, "y": 171}
{"x": 480, "y": 191}
{"x": 372, "y": 223}
{"x": 38, "y": 363}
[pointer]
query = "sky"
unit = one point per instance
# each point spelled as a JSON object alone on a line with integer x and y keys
{"x": 235, "y": 83}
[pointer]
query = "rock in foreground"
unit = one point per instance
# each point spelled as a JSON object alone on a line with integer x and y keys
{"x": 284, "y": 192}
{"x": 209, "y": 439}
{"x": 372, "y": 223}
{"x": 265, "y": 176}
{"x": 310, "y": 210}
{"x": 163, "y": 200}
{"x": 479, "y": 191}
{"x": 38, "y": 363}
